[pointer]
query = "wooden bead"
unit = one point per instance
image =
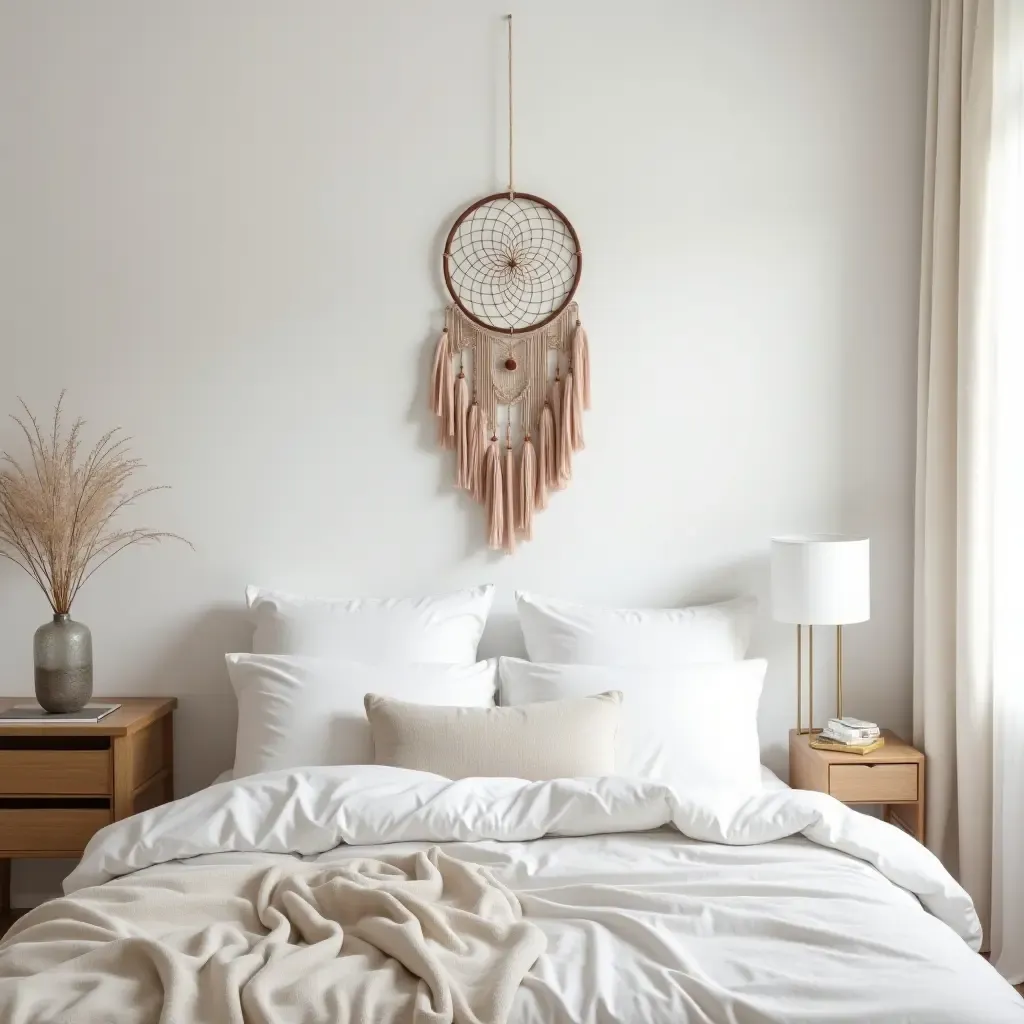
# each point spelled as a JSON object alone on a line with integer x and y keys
{"x": 510, "y": 363}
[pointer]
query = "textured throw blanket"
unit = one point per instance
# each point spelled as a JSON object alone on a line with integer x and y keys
{"x": 420, "y": 938}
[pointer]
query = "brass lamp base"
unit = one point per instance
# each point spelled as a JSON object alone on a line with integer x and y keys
{"x": 810, "y": 730}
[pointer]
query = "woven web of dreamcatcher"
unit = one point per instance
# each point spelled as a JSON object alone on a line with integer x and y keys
{"x": 512, "y": 263}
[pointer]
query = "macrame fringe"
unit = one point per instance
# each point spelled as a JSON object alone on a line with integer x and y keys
{"x": 442, "y": 390}
{"x": 511, "y": 486}
{"x": 475, "y": 445}
{"x": 461, "y": 431}
{"x": 493, "y": 496}
{"x": 527, "y": 488}
{"x": 556, "y": 401}
{"x": 547, "y": 457}
{"x": 565, "y": 432}
{"x": 581, "y": 364}
{"x": 442, "y": 354}
{"x": 576, "y": 420}
{"x": 510, "y": 500}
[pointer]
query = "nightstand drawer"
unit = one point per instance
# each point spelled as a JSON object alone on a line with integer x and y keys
{"x": 49, "y": 831}
{"x": 28, "y": 772}
{"x": 873, "y": 783}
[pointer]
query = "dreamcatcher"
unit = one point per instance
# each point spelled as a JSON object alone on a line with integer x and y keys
{"x": 513, "y": 413}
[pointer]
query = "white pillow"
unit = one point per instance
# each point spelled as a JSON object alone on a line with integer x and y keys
{"x": 557, "y": 631}
{"x": 694, "y": 726}
{"x": 445, "y": 628}
{"x": 295, "y": 711}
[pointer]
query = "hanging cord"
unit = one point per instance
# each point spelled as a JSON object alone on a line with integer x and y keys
{"x": 511, "y": 190}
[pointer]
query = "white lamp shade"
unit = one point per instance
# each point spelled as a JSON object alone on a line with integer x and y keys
{"x": 821, "y": 580}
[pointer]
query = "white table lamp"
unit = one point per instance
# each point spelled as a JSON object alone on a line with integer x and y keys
{"x": 820, "y": 580}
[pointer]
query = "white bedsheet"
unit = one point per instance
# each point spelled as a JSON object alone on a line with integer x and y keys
{"x": 642, "y": 924}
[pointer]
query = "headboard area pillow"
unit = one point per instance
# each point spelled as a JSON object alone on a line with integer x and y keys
{"x": 295, "y": 711}
{"x": 693, "y": 726}
{"x": 445, "y": 628}
{"x": 572, "y": 738}
{"x": 566, "y": 633}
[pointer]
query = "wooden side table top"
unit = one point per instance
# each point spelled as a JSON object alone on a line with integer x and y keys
{"x": 896, "y": 750}
{"x": 134, "y": 714}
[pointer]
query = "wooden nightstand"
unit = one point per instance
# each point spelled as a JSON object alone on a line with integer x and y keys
{"x": 61, "y": 783}
{"x": 892, "y": 776}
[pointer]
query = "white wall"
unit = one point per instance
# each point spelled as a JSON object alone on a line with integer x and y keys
{"x": 220, "y": 226}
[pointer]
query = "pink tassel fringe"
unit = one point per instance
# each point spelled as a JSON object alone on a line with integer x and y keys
{"x": 565, "y": 433}
{"x": 547, "y": 459}
{"x": 581, "y": 364}
{"x": 494, "y": 497}
{"x": 476, "y": 443}
{"x": 442, "y": 388}
{"x": 510, "y": 500}
{"x": 576, "y": 421}
{"x": 556, "y": 402}
{"x": 461, "y": 432}
{"x": 442, "y": 352}
{"x": 544, "y": 466}
{"x": 527, "y": 488}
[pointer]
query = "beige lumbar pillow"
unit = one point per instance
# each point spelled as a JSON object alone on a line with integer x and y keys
{"x": 548, "y": 740}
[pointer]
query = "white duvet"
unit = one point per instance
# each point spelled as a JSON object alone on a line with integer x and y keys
{"x": 786, "y": 906}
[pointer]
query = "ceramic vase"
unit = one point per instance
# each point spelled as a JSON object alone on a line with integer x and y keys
{"x": 63, "y": 661}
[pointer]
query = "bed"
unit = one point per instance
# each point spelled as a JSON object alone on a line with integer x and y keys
{"x": 641, "y": 904}
{"x": 378, "y": 855}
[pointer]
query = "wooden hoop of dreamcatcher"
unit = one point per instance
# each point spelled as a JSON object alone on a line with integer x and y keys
{"x": 512, "y": 263}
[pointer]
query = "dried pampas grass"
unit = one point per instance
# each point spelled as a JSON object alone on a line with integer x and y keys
{"x": 57, "y": 510}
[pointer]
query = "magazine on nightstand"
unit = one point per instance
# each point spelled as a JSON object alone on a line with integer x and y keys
{"x": 33, "y": 714}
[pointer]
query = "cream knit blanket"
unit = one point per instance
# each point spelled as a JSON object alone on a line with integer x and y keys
{"x": 420, "y": 938}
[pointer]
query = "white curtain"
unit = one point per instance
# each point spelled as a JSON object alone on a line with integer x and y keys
{"x": 969, "y": 545}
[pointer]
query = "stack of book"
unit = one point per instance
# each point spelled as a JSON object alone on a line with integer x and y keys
{"x": 850, "y": 735}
